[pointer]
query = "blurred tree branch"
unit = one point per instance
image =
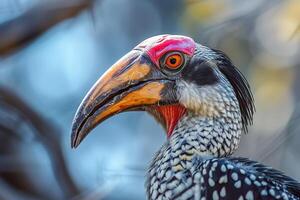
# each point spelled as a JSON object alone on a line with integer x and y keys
{"x": 246, "y": 18}
{"x": 48, "y": 135}
{"x": 32, "y": 23}
{"x": 296, "y": 32}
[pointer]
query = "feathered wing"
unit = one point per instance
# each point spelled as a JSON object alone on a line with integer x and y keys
{"x": 238, "y": 178}
{"x": 291, "y": 185}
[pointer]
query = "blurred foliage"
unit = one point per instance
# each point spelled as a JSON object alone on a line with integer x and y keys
{"x": 53, "y": 51}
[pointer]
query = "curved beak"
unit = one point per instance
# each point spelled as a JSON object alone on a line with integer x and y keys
{"x": 130, "y": 84}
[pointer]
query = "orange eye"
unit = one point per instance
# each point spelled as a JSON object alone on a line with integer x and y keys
{"x": 174, "y": 61}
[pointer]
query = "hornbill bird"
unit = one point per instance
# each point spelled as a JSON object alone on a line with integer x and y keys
{"x": 204, "y": 103}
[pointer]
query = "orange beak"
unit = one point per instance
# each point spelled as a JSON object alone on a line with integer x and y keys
{"x": 131, "y": 83}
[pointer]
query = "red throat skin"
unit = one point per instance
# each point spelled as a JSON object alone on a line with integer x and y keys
{"x": 171, "y": 114}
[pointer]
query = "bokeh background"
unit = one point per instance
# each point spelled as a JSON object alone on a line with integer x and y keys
{"x": 52, "y": 51}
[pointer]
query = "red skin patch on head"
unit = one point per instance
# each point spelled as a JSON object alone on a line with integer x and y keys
{"x": 171, "y": 115}
{"x": 157, "y": 46}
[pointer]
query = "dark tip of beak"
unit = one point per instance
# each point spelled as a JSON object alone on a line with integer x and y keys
{"x": 75, "y": 143}
{"x": 75, "y": 139}
{"x": 78, "y": 133}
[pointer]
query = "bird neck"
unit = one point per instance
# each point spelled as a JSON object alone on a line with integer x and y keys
{"x": 194, "y": 137}
{"x": 207, "y": 135}
{"x": 212, "y": 124}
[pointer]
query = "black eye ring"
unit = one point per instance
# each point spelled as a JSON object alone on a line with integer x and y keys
{"x": 173, "y": 62}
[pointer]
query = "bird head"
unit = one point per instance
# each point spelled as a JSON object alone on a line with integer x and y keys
{"x": 169, "y": 76}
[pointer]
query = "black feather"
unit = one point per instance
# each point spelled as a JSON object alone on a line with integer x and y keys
{"x": 240, "y": 85}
